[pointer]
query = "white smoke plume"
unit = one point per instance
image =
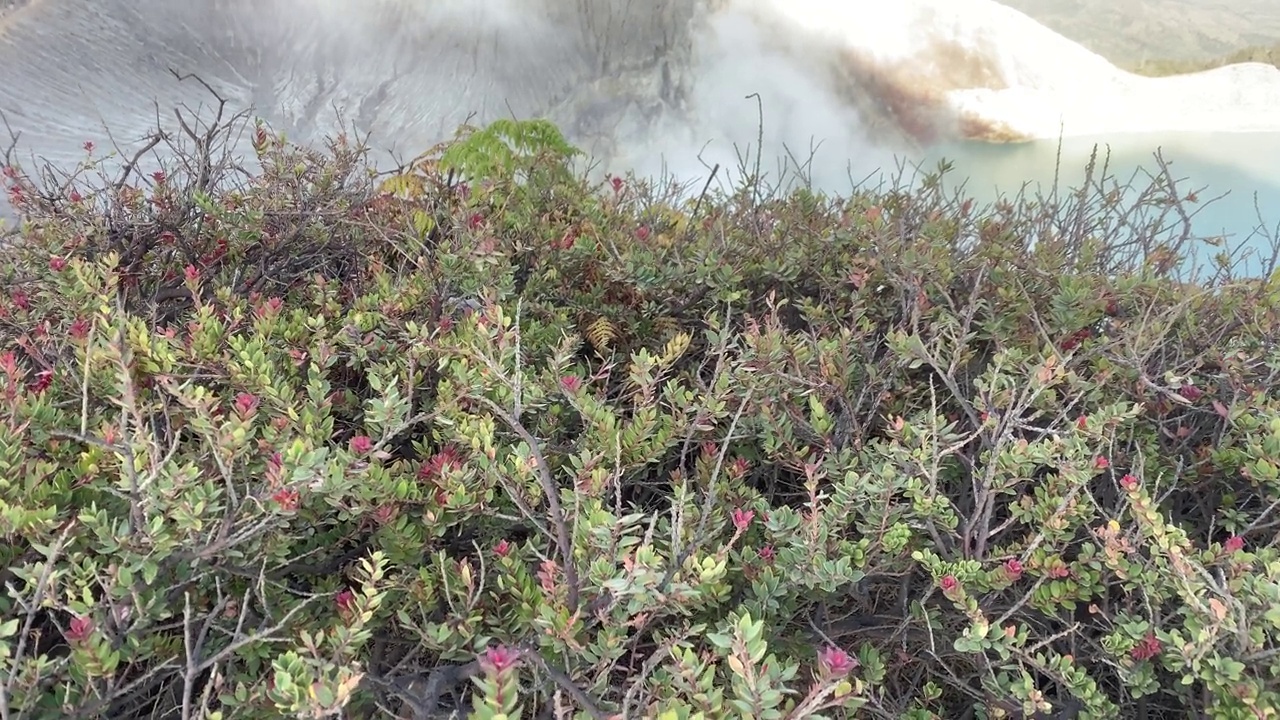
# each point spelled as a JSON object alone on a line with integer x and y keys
{"x": 650, "y": 85}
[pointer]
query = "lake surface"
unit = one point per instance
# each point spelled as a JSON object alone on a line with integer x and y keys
{"x": 1236, "y": 177}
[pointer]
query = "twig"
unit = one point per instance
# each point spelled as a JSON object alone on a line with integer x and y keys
{"x": 551, "y": 490}
{"x": 37, "y": 601}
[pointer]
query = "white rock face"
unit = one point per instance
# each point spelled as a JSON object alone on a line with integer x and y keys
{"x": 978, "y": 70}
{"x": 621, "y": 76}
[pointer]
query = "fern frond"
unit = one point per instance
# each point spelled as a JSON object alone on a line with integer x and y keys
{"x": 601, "y": 334}
{"x": 675, "y": 349}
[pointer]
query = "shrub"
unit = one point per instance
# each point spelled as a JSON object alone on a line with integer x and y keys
{"x": 481, "y": 437}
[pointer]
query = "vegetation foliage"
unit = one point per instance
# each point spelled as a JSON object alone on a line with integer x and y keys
{"x": 483, "y": 438}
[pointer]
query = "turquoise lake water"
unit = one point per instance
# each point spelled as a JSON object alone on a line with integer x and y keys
{"x": 1237, "y": 177}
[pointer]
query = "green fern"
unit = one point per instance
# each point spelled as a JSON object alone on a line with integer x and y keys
{"x": 508, "y": 148}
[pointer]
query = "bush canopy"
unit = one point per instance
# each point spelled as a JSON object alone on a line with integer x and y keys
{"x": 479, "y": 437}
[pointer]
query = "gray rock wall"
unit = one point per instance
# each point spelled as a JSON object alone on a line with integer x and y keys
{"x": 409, "y": 71}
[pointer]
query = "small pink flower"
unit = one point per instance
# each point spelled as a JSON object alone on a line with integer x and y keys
{"x": 1129, "y": 483}
{"x": 191, "y": 274}
{"x": 286, "y": 498}
{"x": 502, "y": 549}
{"x": 1234, "y": 544}
{"x": 1013, "y": 568}
{"x": 44, "y": 379}
{"x": 571, "y": 383}
{"x": 951, "y": 588}
{"x": 361, "y": 444}
{"x": 79, "y": 629}
{"x": 346, "y": 603}
{"x": 1146, "y": 648}
{"x": 246, "y": 403}
{"x": 74, "y": 196}
{"x": 159, "y": 177}
{"x": 742, "y": 518}
{"x": 500, "y": 659}
{"x": 270, "y": 308}
{"x": 738, "y": 468}
{"x": 448, "y": 460}
{"x": 835, "y": 662}
{"x": 1082, "y": 422}
{"x": 57, "y": 263}
{"x": 1191, "y": 392}
{"x": 617, "y": 183}
{"x": 642, "y": 233}
{"x": 1101, "y": 462}
{"x": 385, "y": 513}
{"x": 475, "y": 221}
{"x": 20, "y": 300}
{"x": 88, "y": 146}
{"x": 766, "y": 554}
{"x": 79, "y": 329}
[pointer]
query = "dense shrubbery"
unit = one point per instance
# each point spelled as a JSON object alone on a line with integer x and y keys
{"x": 479, "y": 438}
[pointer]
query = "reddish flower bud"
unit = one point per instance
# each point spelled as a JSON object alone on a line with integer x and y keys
{"x": 79, "y": 629}
{"x": 1082, "y": 422}
{"x": 642, "y": 233}
{"x": 617, "y": 184}
{"x": 20, "y": 300}
{"x": 43, "y": 380}
{"x": 742, "y": 518}
{"x": 79, "y": 329}
{"x": 286, "y": 498}
{"x": 159, "y": 176}
{"x": 499, "y": 659}
{"x": 246, "y": 403}
{"x": 1191, "y": 392}
{"x": 1013, "y": 568}
{"x": 1101, "y": 463}
{"x": 191, "y": 274}
{"x": 1147, "y": 648}
{"x": 948, "y": 583}
{"x": 361, "y": 444}
{"x": 346, "y": 603}
{"x": 835, "y": 662}
{"x": 571, "y": 383}
{"x": 1129, "y": 483}
{"x": 767, "y": 554}
{"x": 446, "y": 461}
{"x": 88, "y": 146}
{"x": 502, "y": 549}
{"x": 57, "y": 263}
{"x": 1234, "y": 544}
{"x": 385, "y": 513}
